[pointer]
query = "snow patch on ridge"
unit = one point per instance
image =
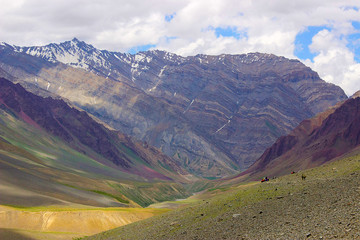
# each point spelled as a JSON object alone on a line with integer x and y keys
{"x": 223, "y": 126}
{"x": 139, "y": 57}
{"x": 162, "y": 71}
{"x": 189, "y": 106}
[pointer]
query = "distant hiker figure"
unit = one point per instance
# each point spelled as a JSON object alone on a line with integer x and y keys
{"x": 303, "y": 177}
{"x": 265, "y": 179}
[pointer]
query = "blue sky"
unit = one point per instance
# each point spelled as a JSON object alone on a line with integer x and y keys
{"x": 304, "y": 39}
{"x": 354, "y": 41}
{"x": 227, "y": 32}
{"x": 141, "y": 48}
{"x": 169, "y": 17}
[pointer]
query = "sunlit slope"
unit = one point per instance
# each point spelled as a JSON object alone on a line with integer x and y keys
{"x": 39, "y": 167}
{"x": 324, "y": 205}
{"x": 62, "y": 220}
{"x": 70, "y": 200}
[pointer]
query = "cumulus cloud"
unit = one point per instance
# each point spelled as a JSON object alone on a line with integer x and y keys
{"x": 335, "y": 61}
{"x": 189, "y": 27}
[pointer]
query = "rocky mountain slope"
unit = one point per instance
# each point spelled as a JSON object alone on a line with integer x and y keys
{"x": 323, "y": 206}
{"x": 213, "y": 114}
{"x": 58, "y": 154}
{"x": 314, "y": 142}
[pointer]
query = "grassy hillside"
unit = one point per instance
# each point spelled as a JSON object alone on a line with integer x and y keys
{"x": 324, "y": 205}
{"x": 49, "y": 190}
{"x": 35, "y": 162}
{"x": 62, "y": 155}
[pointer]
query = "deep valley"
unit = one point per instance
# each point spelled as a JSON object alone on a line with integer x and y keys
{"x": 172, "y": 147}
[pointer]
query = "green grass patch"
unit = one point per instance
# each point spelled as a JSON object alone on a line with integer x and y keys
{"x": 146, "y": 194}
{"x": 211, "y": 178}
{"x": 222, "y": 189}
{"x": 130, "y": 153}
{"x": 165, "y": 166}
{"x": 119, "y": 199}
{"x": 273, "y": 128}
{"x": 85, "y": 208}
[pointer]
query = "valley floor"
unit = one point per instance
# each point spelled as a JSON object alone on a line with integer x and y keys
{"x": 12, "y": 234}
{"x": 325, "y": 205}
{"x": 65, "y": 223}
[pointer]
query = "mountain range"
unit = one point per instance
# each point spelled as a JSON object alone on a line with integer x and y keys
{"x": 312, "y": 191}
{"x": 314, "y": 141}
{"x": 60, "y": 154}
{"x": 83, "y": 129}
{"x": 214, "y": 115}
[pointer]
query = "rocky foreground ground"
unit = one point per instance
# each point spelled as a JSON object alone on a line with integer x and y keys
{"x": 326, "y": 205}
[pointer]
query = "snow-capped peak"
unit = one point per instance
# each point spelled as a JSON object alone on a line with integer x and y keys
{"x": 75, "y": 53}
{"x": 4, "y": 44}
{"x": 75, "y": 40}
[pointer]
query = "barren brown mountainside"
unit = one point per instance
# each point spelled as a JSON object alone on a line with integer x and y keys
{"x": 314, "y": 142}
{"x": 86, "y": 135}
{"x": 213, "y": 114}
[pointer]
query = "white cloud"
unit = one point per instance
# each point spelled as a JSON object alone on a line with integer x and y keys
{"x": 135, "y": 32}
{"x": 335, "y": 62}
{"x": 119, "y": 25}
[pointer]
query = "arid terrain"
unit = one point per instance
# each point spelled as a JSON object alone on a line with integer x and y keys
{"x": 323, "y": 206}
{"x": 172, "y": 120}
{"x": 61, "y": 222}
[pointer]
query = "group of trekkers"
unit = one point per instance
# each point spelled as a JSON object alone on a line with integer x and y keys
{"x": 266, "y": 179}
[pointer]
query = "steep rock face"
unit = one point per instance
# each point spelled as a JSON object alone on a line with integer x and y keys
{"x": 83, "y": 133}
{"x": 315, "y": 141}
{"x": 209, "y": 112}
